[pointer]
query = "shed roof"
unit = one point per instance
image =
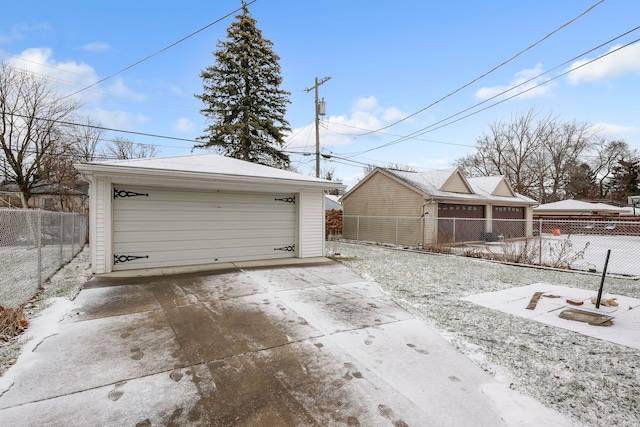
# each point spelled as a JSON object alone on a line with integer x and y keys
{"x": 482, "y": 188}
{"x": 211, "y": 166}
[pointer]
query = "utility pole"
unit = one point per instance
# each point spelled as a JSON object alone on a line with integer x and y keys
{"x": 319, "y": 112}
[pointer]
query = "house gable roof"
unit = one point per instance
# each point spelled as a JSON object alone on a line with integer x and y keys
{"x": 439, "y": 183}
{"x": 388, "y": 174}
{"x": 457, "y": 183}
{"x": 494, "y": 185}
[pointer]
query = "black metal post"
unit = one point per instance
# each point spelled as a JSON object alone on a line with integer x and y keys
{"x": 604, "y": 272}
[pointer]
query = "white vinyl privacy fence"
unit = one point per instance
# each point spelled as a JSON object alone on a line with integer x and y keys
{"x": 571, "y": 244}
{"x": 34, "y": 244}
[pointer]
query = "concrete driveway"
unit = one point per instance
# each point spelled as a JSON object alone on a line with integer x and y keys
{"x": 296, "y": 345}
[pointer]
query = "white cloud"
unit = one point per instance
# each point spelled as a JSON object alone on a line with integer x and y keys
{"x": 66, "y": 77}
{"x": 521, "y": 80}
{"x": 184, "y": 125}
{"x": 70, "y": 76}
{"x": 341, "y": 130}
{"x": 119, "y": 88}
{"x": 366, "y": 104}
{"x": 117, "y": 119}
{"x": 608, "y": 130}
{"x": 393, "y": 114}
{"x": 619, "y": 63}
{"x": 96, "y": 47}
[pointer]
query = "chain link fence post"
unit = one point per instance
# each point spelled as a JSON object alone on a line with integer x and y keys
{"x": 540, "y": 237}
{"x": 38, "y": 237}
{"x": 73, "y": 236}
{"x": 61, "y": 239}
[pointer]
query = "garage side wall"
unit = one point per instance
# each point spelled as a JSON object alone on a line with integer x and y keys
{"x": 374, "y": 212}
{"x": 100, "y": 219}
{"x": 311, "y": 224}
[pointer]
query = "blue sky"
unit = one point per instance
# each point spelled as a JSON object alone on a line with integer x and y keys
{"x": 386, "y": 60}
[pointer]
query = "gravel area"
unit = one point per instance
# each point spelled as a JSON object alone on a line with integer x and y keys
{"x": 594, "y": 382}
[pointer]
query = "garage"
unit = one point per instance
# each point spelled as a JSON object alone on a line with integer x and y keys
{"x": 153, "y": 226}
{"x": 460, "y": 223}
{"x": 200, "y": 210}
{"x": 508, "y": 221}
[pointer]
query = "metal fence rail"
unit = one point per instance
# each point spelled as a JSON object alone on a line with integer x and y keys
{"x": 34, "y": 244}
{"x": 570, "y": 244}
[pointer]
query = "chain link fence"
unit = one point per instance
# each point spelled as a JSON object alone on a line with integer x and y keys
{"x": 568, "y": 244}
{"x": 34, "y": 244}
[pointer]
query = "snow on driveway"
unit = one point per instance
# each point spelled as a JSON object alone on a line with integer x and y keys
{"x": 594, "y": 381}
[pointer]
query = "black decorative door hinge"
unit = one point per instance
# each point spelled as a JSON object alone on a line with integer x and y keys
{"x": 291, "y": 199}
{"x": 119, "y": 259}
{"x": 124, "y": 193}
{"x": 290, "y": 248}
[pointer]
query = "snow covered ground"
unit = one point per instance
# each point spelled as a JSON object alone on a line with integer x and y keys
{"x": 593, "y": 381}
{"x": 582, "y": 251}
{"x": 61, "y": 288}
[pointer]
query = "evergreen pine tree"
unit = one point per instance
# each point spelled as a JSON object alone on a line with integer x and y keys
{"x": 244, "y": 105}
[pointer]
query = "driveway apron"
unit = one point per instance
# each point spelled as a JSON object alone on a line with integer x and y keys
{"x": 303, "y": 345}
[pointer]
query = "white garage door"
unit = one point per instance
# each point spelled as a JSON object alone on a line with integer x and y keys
{"x": 158, "y": 227}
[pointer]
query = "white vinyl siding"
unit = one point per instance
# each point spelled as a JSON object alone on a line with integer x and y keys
{"x": 312, "y": 224}
{"x": 102, "y": 196}
{"x": 175, "y": 227}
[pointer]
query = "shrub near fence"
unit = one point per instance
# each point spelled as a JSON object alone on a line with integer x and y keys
{"x": 34, "y": 244}
{"x": 570, "y": 244}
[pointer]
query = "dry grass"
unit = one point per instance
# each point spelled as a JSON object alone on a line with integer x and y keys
{"x": 13, "y": 322}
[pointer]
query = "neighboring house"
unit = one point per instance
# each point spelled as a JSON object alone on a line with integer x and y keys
{"x": 200, "y": 210}
{"x": 577, "y": 208}
{"x": 332, "y": 202}
{"x": 427, "y": 208}
{"x": 48, "y": 197}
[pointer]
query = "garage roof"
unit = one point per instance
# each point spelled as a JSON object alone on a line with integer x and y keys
{"x": 482, "y": 188}
{"x": 570, "y": 205}
{"x": 204, "y": 166}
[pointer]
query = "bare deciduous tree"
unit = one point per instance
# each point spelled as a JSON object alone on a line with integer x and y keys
{"x": 537, "y": 154}
{"x": 607, "y": 155}
{"x": 85, "y": 141}
{"x": 565, "y": 143}
{"x": 511, "y": 149}
{"x": 33, "y": 122}
{"x": 122, "y": 148}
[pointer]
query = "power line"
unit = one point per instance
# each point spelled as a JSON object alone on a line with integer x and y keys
{"x": 90, "y": 126}
{"x": 161, "y": 50}
{"x": 431, "y": 128}
{"x": 488, "y": 72}
{"x": 531, "y": 88}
